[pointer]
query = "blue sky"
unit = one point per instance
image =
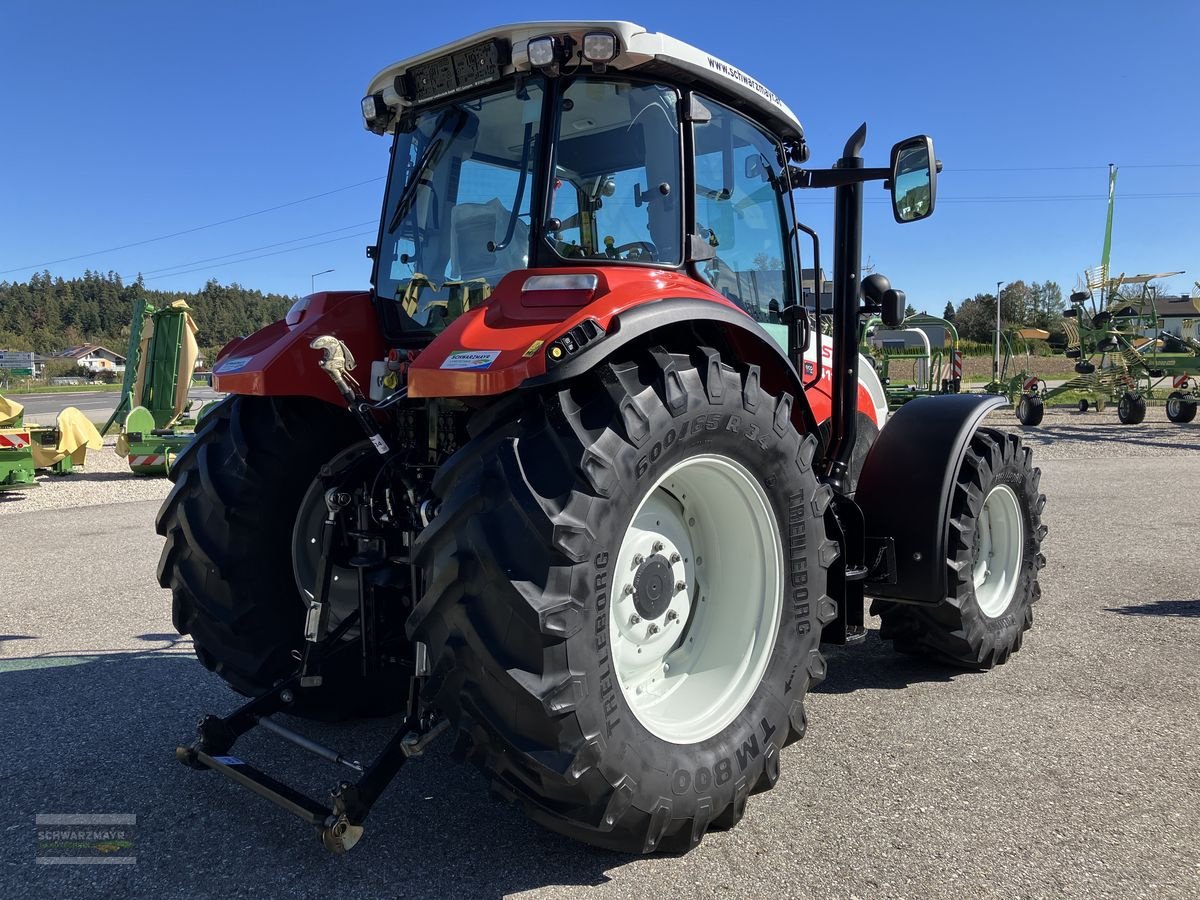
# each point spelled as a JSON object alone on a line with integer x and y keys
{"x": 125, "y": 121}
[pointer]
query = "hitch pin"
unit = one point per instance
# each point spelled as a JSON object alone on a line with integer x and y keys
{"x": 308, "y": 744}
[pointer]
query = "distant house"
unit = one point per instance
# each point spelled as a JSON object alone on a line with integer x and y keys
{"x": 94, "y": 358}
{"x": 1180, "y": 315}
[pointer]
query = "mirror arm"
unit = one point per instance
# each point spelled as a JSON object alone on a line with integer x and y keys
{"x": 827, "y": 178}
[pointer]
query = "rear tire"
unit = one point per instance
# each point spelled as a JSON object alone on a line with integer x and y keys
{"x": 1179, "y": 409}
{"x": 537, "y": 613}
{"x": 1031, "y": 410}
{"x": 1083, "y": 406}
{"x": 227, "y": 561}
{"x": 996, "y": 509}
{"x": 1131, "y": 408}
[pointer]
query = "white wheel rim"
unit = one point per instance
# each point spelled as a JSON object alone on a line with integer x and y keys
{"x": 999, "y": 549}
{"x": 706, "y": 533}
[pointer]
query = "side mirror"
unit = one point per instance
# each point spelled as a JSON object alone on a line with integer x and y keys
{"x": 914, "y": 179}
{"x": 883, "y": 300}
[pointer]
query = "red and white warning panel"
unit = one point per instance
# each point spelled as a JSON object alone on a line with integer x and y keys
{"x": 14, "y": 440}
{"x": 147, "y": 460}
{"x": 956, "y": 364}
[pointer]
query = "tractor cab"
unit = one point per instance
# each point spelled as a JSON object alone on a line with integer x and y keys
{"x": 577, "y": 145}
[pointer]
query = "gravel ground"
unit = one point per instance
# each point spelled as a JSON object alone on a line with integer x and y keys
{"x": 104, "y": 479}
{"x": 1072, "y": 771}
{"x": 1070, "y": 434}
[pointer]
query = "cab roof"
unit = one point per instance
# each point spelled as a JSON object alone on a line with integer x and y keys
{"x": 639, "y": 50}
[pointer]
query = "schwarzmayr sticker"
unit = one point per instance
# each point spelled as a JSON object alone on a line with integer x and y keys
{"x": 470, "y": 359}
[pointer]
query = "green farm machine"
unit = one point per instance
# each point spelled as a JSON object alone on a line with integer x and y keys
{"x": 26, "y": 448}
{"x": 154, "y": 412}
{"x": 1122, "y": 353}
{"x": 920, "y": 358}
{"x": 1124, "y": 356}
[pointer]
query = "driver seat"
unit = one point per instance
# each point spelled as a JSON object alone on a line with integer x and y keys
{"x": 472, "y": 226}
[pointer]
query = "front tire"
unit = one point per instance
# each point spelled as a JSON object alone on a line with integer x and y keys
{"x": 993, "y": 559}
{"x": 555, "y": 619}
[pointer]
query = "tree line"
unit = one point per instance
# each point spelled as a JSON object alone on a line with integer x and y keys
{"x": 47, "y": 314}
{"x": 1023, "y": 304}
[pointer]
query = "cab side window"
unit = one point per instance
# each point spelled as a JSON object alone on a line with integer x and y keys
{"x": 740, "y": 213}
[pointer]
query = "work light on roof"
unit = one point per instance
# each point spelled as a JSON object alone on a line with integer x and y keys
{"x": 374, "y": 112}
{"x": 599, "y": 47}
{"x": 543, "y": 52}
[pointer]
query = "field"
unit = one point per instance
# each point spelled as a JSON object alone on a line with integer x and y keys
{"x": 1073, "y": 770}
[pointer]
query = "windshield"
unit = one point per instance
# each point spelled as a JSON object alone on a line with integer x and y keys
{"x": 456, "y": 216}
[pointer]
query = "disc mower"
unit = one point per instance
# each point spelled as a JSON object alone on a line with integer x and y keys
{"x": 154, "y": 412}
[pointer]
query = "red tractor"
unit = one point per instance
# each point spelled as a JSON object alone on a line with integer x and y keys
{"x": 608, "y": 485}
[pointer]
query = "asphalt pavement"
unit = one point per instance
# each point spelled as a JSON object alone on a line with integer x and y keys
{"x": 42, "y": 409}
{"x": 1073, "y": 770}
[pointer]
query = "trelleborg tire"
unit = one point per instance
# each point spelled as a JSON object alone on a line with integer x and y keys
{"x": 227, "y": 560}
{"x": 994, "y": 555}
{"x": 540, "y": 598}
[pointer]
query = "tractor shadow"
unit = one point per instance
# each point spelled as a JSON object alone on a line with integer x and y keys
{"x": 1183, "y": 609}
{"x": 95, "y": 732}
{"x": 1099, "y": 434}
{"x": 872, "y": 664}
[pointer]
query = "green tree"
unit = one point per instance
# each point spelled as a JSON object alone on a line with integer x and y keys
{"x": 976, "y": 318}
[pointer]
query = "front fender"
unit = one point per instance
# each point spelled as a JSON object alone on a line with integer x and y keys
{"x": 905, "y": 489}
{"x": 276, "y": 361}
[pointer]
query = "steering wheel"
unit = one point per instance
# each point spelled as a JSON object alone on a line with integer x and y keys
{"x": 647, "y": 248}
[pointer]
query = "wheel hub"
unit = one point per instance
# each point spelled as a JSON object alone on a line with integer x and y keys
{"x": 653, "y": 587}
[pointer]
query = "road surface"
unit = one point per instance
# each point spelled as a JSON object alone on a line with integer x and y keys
{"x": 42, "y": 409}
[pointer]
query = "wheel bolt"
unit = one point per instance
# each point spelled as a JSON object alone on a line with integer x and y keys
{"x": 652, "y": 630}
{"x": 680, "y": 586}
{"x": 634, "y": 619}
{"x": 675, "y": 558}
{"x": 672, "y": 615}
{"x": 638, "y": 559}
{"x": 657, "y": 548}
{"x": 627, "y": 590}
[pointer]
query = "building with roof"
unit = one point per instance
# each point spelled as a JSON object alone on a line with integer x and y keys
{"x": 94, "y": 358}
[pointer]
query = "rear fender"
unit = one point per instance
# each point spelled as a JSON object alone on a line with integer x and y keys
{"x": 683, "y": 322}
{"x": 905, "y": 489}
{"x": 276, "y": 361}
